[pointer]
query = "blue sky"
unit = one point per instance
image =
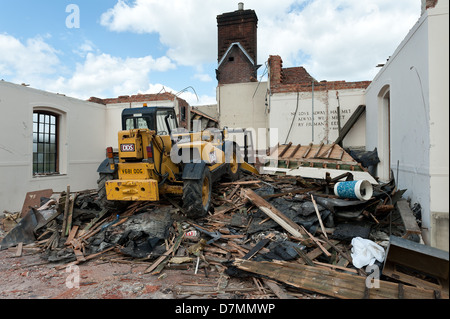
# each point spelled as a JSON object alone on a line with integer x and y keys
{"x": 143, "y": 46}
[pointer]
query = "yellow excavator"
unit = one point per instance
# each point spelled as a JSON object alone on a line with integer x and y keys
{"x": 155, "y": 157}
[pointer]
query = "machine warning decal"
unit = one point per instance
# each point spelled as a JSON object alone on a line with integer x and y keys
{"x": 127, "y": 147}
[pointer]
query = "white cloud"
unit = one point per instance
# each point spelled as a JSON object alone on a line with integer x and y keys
{"x": 99, "y": 74}
{"x": 344, "y": 39}
{"x": 86, "y": 47}
{"x": 188, "y": 94}
{"x": 31, "y": 59}
{"x": 186, "y": 27}
{"x": 333, "y": 39}
{"x": 203, "y": 77}
{"x": 103, "y": 75}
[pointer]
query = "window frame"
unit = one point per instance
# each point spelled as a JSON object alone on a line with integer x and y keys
{"x": 165, "y": 121}
{"x": 45, "y": 155}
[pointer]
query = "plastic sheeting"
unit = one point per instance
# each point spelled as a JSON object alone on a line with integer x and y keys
{"x": 365, "y": 252}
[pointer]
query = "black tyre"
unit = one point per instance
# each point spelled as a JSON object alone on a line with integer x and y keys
{"x": 197, "y": 195}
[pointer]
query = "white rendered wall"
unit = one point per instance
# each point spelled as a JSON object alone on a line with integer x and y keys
{"x": 316, "y": 120}
{"x": 438, "y": 39}
{"x": 417, "y": 79}
{"x": 81, "y": 143}
{"x": 242, "y": 106}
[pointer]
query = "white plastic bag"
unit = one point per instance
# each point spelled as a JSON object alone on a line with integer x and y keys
{"x": 365, "y": 252}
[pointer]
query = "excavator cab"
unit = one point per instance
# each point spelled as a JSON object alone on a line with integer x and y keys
{"x": 156, "y": 158}
{"x": 162, "y": 120}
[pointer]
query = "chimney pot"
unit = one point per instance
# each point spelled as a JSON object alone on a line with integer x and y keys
{"x": 241, "y": 6}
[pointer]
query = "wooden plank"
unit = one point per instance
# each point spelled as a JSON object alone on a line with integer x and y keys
{"x": 283, "y": 222}
{"x": 238, "y": 248}
{"x": 307, "y": 150}
{"x": 316, "y": 252}
{"x": 318, "y": 150}
{"x": 325, "y": 251}
{"x": 233, "y": 192}
{"x": 33, "y": 199}
{"x": 304, "y": 257}
{"x": 47, "y": 205}
{"x": 331, "y": 150}
{"x": 72, "y": 234}
{"x": 326, "y": 154}
{"x": 88, "y": 226}
{"x": 79, "y": 255}
{"x": 389, "y": 270}
{"x": 272, "y": 150}
{"x": 329, "y": 282}
{"x": 349, "y": 124}
{"x": 69, "y": 216}
{"x": 332, "y": 161}
{"x": 162, "y": 258}
{"x": 216, "y": 250}
{"x": 66, "y": 211}
{"x": 318, "y": 216}
{"x": 241, "y": 183}
{"x": 277, "y": 290}
{"x": 59, "y": 267}
{"x": 285, "y": 150}
{"x": 290, "y": 193}
{"x": 19, "y": 250}
{"x": 342, "y": 262}
{"x": 336, "y": 267}
{"x": 331, "y": 154}
{"x": 294, "y": 229}
{"x": 337, "y": 178}
{"x": 295, "y": 150}
{"x": 408, "y": 217}
{"x": 257, "y": 248}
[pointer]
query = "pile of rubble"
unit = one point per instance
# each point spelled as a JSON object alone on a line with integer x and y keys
{"x": 290, "y": 229}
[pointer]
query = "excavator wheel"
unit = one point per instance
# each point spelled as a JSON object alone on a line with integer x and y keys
{"x": 197, "y": 195}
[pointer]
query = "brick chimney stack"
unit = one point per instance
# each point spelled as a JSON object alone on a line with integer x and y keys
{"x": 237, "y": 27}
{"x": 276, "y": 67}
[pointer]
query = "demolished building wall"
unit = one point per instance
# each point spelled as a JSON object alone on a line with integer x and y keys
{"x": 407, "y": 120}
{"x": 242, "y": 106}
{"x": 80, "y": 142}
{"x": 305, "y": 110}
{"x": 284, "y": 108}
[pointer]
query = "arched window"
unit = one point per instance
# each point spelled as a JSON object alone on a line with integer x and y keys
{"x": 45, "y": 143}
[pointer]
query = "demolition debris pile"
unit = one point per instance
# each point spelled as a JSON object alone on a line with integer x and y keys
{"x": 290, "y": 235}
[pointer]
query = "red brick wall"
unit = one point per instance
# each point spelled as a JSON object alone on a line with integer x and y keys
{"x": 137, "y": 98}
{"x": 275, "y": 65}
{"x": 166, "y": 96}
{"x": 238, "y": 26}
{"x": 299, "y": 80}
{"x": 240, "y": 70}
{"x": 431, "y": 3}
